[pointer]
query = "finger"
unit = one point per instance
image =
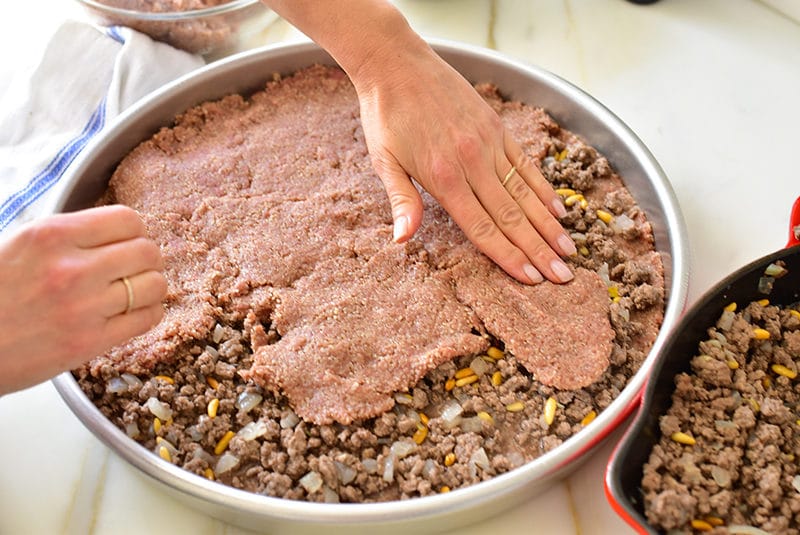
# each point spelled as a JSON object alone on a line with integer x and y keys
{"x": 533, "y": 176}
{"x": 482, "y": 231}
{"x": 122, "y": 327}
{"x": 126, "y": 258}
{"x": 94, "y": 227}
{"x": 513, "y": 222}
{"x": 538, "y": 214}
{"x": 404, "y": 199}
{"x": 143, "y": 291}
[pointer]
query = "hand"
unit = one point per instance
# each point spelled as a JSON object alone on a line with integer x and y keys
{"x": 62, "y": 298}
{"x": 422, "y": 119}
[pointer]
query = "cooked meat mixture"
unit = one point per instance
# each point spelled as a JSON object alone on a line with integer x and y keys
{"x": 304, "y": 355}
{"x": 727, "y": 458}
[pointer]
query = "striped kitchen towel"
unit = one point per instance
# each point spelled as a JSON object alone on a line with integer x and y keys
{"x": 85, "y": 77}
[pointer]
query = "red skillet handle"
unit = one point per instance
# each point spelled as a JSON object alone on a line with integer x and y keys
{"x": 794, "y": 224}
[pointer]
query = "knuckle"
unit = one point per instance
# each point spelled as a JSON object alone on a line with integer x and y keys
{"x": 61, "y": 276}
{"x": 510, "y": 215}
{"x": 398, "y": 198}
{"x": 518, "y": 189}
{"x": 445, "y": 174}
{"x": 45, "y": 235}
{"x": 468, "y": 148}
{"x": 541, "y": 252}
{"x": 525, "y": 161}
{"x": 482, "y": 229}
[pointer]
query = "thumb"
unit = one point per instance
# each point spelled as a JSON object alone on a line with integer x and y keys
{"x": 403, "y": 197}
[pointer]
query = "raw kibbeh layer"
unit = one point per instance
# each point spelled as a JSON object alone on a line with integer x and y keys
{"x": 303, "y": 354}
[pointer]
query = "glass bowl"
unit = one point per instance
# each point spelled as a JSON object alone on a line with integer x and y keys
{"x": 210, "y": 31}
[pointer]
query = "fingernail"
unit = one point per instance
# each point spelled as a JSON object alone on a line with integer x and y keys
{"x": 561, "y": 211}
{"x": 561, "y": 270}
{"x": 566, "y": 245}
{"x": 532, "y": 273}
{"x": 400, "y": 228}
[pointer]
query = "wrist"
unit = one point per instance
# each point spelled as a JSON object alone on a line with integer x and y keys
{"x": 387, "y": 44}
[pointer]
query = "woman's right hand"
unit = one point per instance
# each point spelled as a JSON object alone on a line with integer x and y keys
{"x": 63, "y": 299}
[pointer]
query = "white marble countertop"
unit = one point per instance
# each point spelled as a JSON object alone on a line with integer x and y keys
{"x": 710, "y": 87}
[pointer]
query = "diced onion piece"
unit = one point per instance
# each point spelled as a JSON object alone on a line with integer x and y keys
{"x": 479, "y": 366}
{"x": 724, "y": 424}
{"x": 345, "y": 473}
{"x": 203, "y": 455}
{"x": 578, "y": 237}
{"x": 370, "y": 465}
{"x": 428, "y": 469}
{"x": 194, "y": 433}
{"x": 132, "y": 380}
{"x": 403, "y": 398}
{"x": 765, "y": 285}
{"x": 471, "y": 425}
{"x": 330, "y": 495}
{"x": 217, "y": 335}
{"x": 451, "y": 413}
{"x": 116, "y": 385}
{"x": 796, "y": 483}
{"x": 289, "y": 420}
{"x": 478, "y": 459}
{"x": 721, "y": 476}
{"x": 402, "y": 448}
{"x": 622, "y": 223}
{"x": 774, "y": 270}
{"x": 158, "y": 409}
{"x": 247, "y": 401}
{"x": 132, "y": 429}
{"x": 726, "y": 320}
{"x": 312, "y": 482}
{"x": 253, "y": 430}
{"x": 603, "y": 273}
{"x": 227, "y": 462}
{"x": 388, "y": 469}
{"x": 516, "y": 459}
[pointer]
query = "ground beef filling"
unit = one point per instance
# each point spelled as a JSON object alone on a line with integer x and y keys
{"x": 729, "y": 445}
{"x": 305, "y": 355}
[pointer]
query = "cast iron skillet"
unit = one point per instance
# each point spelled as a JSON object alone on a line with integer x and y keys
{"x": 625, "y": 468}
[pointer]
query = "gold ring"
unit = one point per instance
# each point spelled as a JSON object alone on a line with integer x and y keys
{"x": 129, "y": 290}
{"x": 509, "y": 174}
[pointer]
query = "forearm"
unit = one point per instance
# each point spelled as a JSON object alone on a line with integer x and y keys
{"x": 365, "y": 37}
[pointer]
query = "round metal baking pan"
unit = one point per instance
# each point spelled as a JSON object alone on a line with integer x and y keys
{"x": 571, "y": 107}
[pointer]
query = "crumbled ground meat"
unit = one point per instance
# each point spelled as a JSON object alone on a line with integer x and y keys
{"x": 274, "y": 372}
{"x": 741, "y": 411}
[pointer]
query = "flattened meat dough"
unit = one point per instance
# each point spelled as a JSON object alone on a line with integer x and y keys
{"x": 270, "y": 203}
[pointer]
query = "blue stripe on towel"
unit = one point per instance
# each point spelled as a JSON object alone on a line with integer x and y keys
{"x": 20, "y": 200}
{"x": 113, "y": 32}
{"x": 17, "y": 202}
